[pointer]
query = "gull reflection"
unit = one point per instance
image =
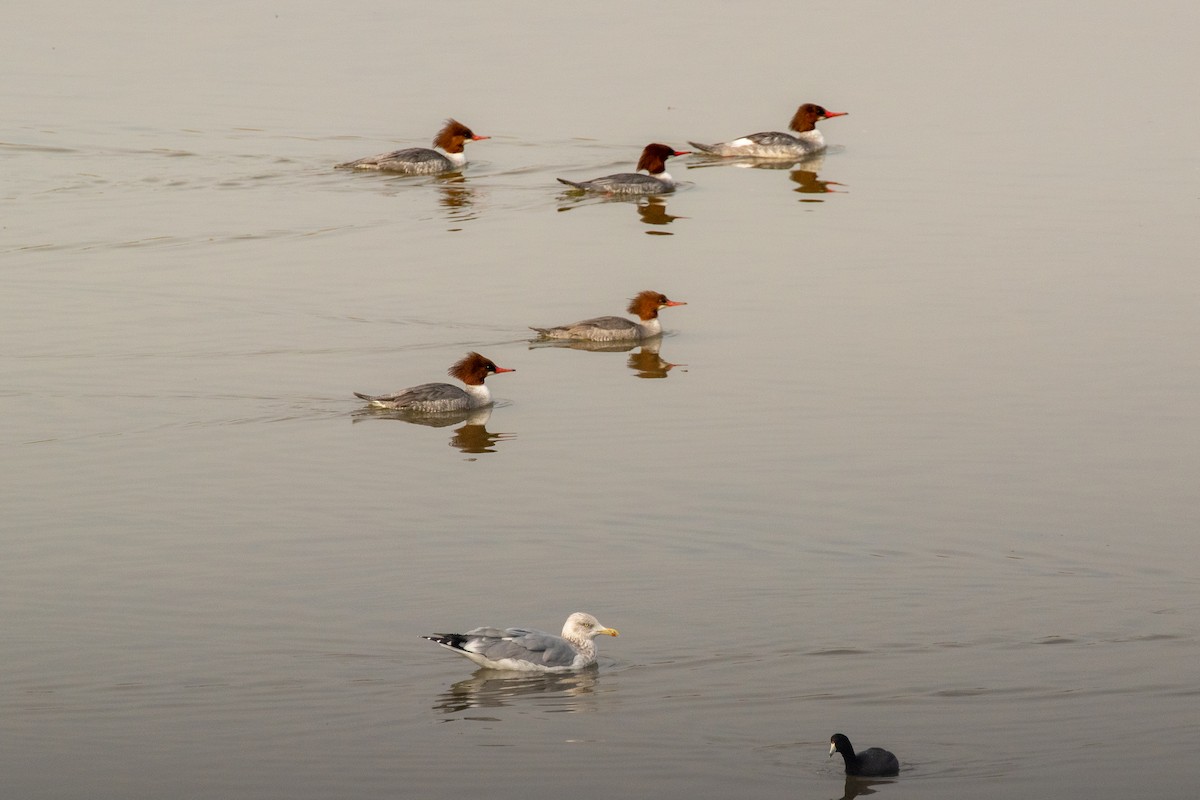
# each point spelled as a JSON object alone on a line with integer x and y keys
{"x": 489, "y": 688}
{"x": 645, "y": 363}
{"x": 472, "y": 438}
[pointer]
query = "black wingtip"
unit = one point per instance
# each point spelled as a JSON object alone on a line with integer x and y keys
{"x": 454, "y": 640}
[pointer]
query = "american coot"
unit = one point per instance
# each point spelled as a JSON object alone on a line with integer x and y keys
{"x": 874, "y": 762}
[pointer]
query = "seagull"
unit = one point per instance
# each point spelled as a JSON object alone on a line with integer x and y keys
{"x": 529, "y": 650}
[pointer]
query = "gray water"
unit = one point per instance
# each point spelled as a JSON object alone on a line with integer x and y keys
{"x": 918, "y": 462}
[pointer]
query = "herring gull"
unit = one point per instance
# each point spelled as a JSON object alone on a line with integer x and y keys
{"x": 529, "y": 650}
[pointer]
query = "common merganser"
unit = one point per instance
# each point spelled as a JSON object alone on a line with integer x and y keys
{"x": 657, "y": 181}
{"x": 606, "y": 329}
{"x": 529, "y": 650}
{"x": 421, "y": 160}
{"x": 775, "y": 144}
{"x": 430, "y": 398}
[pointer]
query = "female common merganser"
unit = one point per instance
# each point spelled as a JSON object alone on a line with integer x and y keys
{"x": 775, "y": 144}
{"x": 421, "y": 160}
{"x": 606, "y": 329}
{"x": 429, "y": 398}
{"x": 529, "y": 650}
{"x": 653, "y": 161}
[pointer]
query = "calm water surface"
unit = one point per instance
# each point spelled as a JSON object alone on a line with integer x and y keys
{"x": 918, "y": 462}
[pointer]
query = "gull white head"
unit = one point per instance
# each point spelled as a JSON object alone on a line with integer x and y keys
{"x": 581, "y": 628}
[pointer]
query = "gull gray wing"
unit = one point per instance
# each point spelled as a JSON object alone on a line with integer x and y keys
{"x": 521, "y": 644}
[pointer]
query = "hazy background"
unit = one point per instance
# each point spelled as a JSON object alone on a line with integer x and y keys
{"x": 924, "y": 472}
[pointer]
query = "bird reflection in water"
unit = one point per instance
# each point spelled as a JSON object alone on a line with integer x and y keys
{"x": 651, "y": 210}
{"x": 645, "y": 363}
{"x": 490, "y": 688}
{"x": 807, "y": 183}
{"x": 472, "y": 438}
{"x": 458, "y": 198}
{"x": 859, "y": 787}
{"x": 803, "y": 172}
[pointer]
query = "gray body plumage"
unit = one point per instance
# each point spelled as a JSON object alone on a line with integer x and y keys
{"x": 624, "y": 183}
{"x": 769, "y": 144}
{"x": 527, "y": 649}
{"x": 541, "y": 649}
{"x": 645, "y": 306}
{"x": 410, "y": 161}
{"x": 599, "y": 329}
{"x": 429, "y": 398}
{"x": 515, "y": 648}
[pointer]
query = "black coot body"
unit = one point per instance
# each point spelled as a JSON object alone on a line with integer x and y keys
{"x": 874, "y": 762}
